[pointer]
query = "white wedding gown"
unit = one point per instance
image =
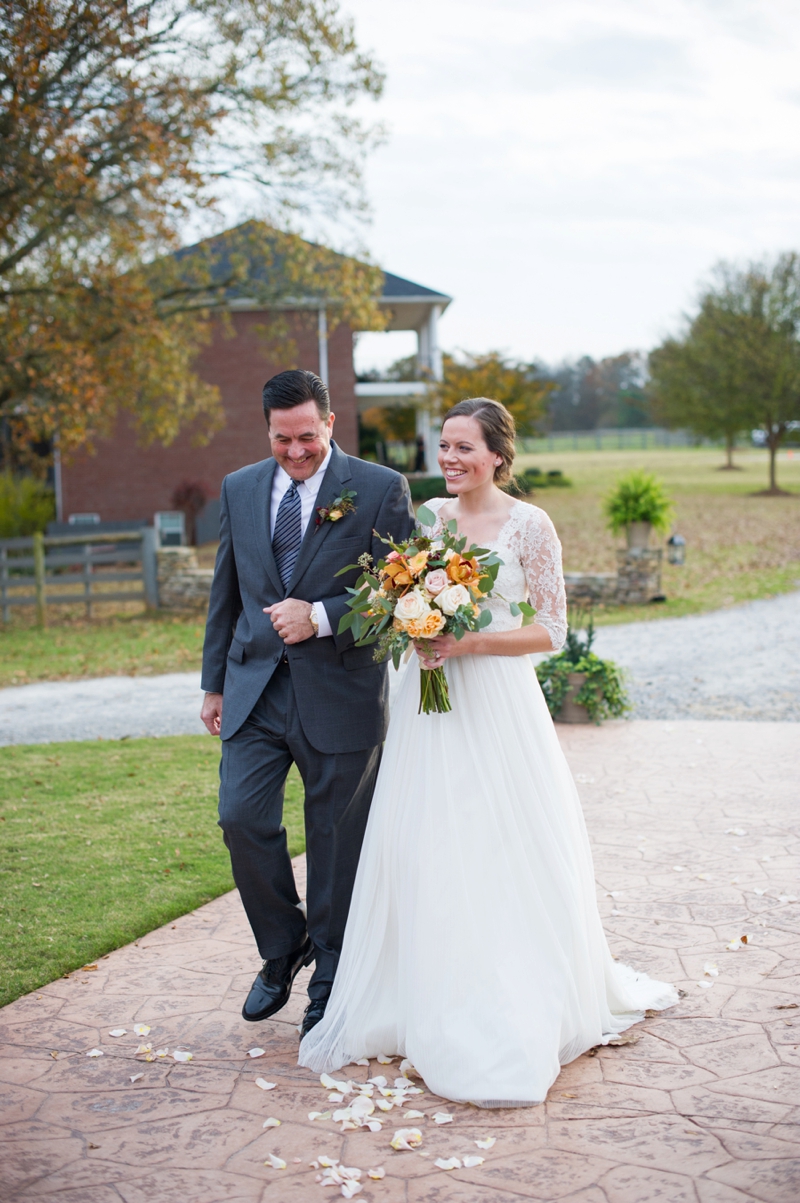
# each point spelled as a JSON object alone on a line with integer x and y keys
{"x": 474, "y": 946}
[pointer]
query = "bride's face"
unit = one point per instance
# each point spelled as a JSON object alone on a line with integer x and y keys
{"x": 465, "y": 460}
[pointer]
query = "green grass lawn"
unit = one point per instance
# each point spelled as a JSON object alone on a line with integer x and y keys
{"x": 101, "y": 842}
{"x": 127, "y": 645}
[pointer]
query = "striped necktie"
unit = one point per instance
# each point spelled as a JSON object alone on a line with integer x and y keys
{"x": 287, "y": 536}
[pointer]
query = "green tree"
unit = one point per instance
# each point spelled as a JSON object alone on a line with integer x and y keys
{"x": 515, "y": 385}
{"x": 737, "y": 366}
{"x": 119, "y": 120}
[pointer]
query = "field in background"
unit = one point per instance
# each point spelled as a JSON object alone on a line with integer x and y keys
{"x": 739, "y": 547}
{"x": 101, "y": 842}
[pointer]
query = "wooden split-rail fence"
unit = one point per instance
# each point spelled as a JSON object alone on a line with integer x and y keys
{"x": 68, "y": 570}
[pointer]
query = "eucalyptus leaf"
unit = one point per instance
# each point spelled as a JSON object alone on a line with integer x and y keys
{"x": 426, "y": 516}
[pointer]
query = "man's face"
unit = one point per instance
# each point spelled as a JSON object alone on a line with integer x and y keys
{"x": 300, "y": 439}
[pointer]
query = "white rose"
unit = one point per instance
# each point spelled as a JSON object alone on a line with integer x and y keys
{"x": 450, "y": 599}
{"x": 412, "y": 606}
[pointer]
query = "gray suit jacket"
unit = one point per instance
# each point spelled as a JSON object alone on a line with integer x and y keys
{"x": 342, "y": 694}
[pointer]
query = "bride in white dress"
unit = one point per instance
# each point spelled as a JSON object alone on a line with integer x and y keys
{"x": 474, "y": 946}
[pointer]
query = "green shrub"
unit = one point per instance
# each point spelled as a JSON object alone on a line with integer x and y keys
{"x": 26, "y": 505}
{"x": 602, "y": 693}
{"x": 638, "y": 497}
{"x": 534, "y": 478}
{"x": 424, "y": 487}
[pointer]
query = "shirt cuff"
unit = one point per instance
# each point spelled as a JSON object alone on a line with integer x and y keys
{"x": 322, "y": 619}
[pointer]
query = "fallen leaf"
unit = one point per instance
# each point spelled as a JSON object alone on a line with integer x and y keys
{"x": 54, "y": 1055}
{"x": 117, "y": 1031}
{"x": 277, "y": 1163}
{"x": 135, "y": 1077}
{"x": 265, "y": 1085}
{"x": 95, "y": 1052}
{"x": 626, "y": 1038}
{"x": 141, "y": 1029}
{"x": 88, "y": 969}
{"x": 787, "y": 1006}
{"x": 180, "y": 1055}
{"x": 650, "y": 1013}
{"x": 406, "y": 1138}
{"x": 565, "y": 1095}
{"x": 255, "y": 1052}
{"x": 471, "y": 1161}
{"x": 442, "y": 1117}
{"x": 271, "y": 1123}
{"x": 452, "y": 1163}
{"x": 488, "y": 1142}
{"x": 91, "y": 1146}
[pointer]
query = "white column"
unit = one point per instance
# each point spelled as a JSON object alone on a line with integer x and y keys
{"x": 322, "y": 337}
{"x": 424, "y": 349}
{"x": 434, "y": 353}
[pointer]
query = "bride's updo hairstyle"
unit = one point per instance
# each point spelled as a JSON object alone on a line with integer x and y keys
{"x": 498, "y": 428}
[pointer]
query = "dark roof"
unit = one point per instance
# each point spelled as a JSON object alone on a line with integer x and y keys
{"x": 396, "y": 286}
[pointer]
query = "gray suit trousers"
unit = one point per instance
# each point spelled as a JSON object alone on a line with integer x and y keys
{"x": 338, "y": 792}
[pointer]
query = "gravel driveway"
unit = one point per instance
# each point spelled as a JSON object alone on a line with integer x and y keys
{"x": 740, "y": 663}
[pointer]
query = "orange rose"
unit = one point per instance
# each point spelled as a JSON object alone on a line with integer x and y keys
{"x": 398, "y": 574}
{"x": 432, "y": 624}
{"x": 463, "y": 572}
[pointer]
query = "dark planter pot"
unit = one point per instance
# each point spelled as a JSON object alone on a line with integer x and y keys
{"x": 570, "y": 711}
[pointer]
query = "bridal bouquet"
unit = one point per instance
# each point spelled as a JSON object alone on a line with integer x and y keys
{"x": 423, "y": 588}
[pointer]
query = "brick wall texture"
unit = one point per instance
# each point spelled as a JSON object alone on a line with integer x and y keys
{"x": 125, "y": 480}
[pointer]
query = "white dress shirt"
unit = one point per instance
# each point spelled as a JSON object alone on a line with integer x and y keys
{"x": 307, "y": 491}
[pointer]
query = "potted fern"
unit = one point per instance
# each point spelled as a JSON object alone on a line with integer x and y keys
{"x": 577, "y": 685}
{"x": 637, "y": 504}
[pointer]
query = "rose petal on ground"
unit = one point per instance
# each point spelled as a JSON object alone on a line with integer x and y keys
{"x": 408, "y": 1070}
{"x": 312, "y": 1115}
{"x": 277, "y": 1163}
{"x": 452, "y": 1163}
{"x": 95, "y": 1052}
{"x": 335, "y": 1096}
{"x": 144, "y": 1048}
{"x": 710, "y": 969}
{"x": 705, "y": 985}
{"x": 141, "y": 1029}
{"x": 678, "y": 869}
{"x": 117, "y": 1031}
{"x": 180, "y": 1055}
{"x": 362, "y": 1061}
{"x": 255, "y": 1052}
{"x": 331, "y": 1084}
{"x": 406, "y": 1138}
{"x": 442, "y": 1117}
{"x": 271, "y": 1123}
{"x": 414, "y": 1115}
{"x": 263, "y": 1085}
{"x": 471, "y": 1162}
{"x": 378, "y": 1081}
{"x": 162, "y": 1052}
{"x": 382, "y": 1059}
{"x": 135, "y": 1077}
{"x": 377, "y": 1174}
{"x": 735, "y": 831}
{"x": 488, "y": 1142}
{"x": 374, "y": 1125}
{"x": 384, "y": 1104}
{"x": 150, "y": 1057}
{"x": 350, "y": 1188}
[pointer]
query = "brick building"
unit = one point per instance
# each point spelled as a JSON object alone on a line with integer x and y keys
{"x": 124, "y": 480}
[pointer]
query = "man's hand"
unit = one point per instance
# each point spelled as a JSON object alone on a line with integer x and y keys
{"x": 291, "y": 619}
{"x": 211, "y": 714}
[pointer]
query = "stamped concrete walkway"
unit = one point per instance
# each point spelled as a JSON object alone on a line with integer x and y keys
{"x": 695, "y": 831}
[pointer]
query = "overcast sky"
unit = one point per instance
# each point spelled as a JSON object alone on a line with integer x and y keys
{"x": 569, "y": 171}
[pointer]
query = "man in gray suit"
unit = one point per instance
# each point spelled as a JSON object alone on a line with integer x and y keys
{"x": 283, "y": 686}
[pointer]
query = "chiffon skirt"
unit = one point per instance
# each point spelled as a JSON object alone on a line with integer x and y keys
{"x": 474, "y": 945}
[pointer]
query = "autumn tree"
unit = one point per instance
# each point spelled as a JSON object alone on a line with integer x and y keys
{"x": 515, "y": 385}
{"x": 737, "y": 365}
{"x": 121, "y": 119}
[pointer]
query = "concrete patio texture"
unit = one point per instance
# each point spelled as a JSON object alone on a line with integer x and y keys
{"x": 695, "y": 832}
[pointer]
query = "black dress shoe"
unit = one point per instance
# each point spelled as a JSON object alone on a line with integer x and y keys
{"x": 314, "y": 1012}
{"x": 271, "y": 989}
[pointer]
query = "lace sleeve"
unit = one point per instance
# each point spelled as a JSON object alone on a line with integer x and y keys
{"x": 540, "y": 552}
{"x": 434, "y": 504}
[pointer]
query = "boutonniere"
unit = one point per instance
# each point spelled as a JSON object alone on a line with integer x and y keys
{"x": 341, "y": 505}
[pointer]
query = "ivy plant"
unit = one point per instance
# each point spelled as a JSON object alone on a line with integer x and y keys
{"x": 602, "y": 693}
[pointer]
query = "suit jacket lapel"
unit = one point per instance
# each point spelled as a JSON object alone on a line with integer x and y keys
{"x": 262, "y": 500}
{"x": 337, "y": 473}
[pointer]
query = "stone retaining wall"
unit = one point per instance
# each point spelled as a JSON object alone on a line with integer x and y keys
{"x": 182, "y": 584}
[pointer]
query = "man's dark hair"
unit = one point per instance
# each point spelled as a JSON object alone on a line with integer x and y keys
{"x": 288, "y": 389}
